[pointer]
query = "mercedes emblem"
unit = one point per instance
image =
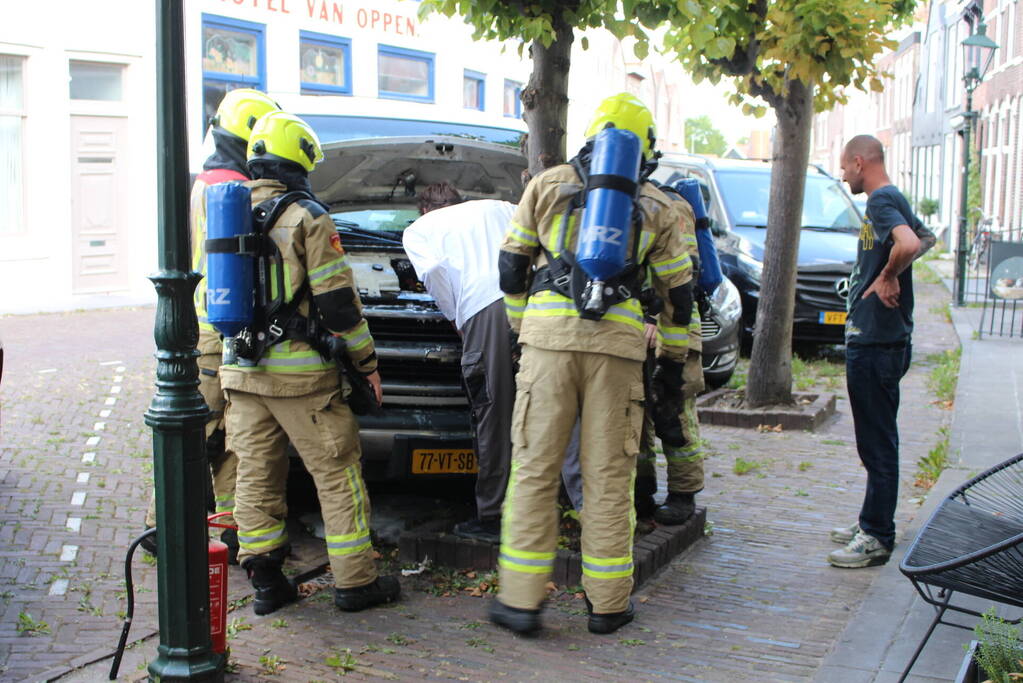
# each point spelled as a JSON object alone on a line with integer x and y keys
{"x": 842, "y": 288}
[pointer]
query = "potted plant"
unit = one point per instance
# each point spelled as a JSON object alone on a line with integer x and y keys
{"x": 927, "y": 208}
{"x": 996, "y": 655}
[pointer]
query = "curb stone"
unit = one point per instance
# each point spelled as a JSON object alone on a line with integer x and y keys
{"x": 650, "y": 553}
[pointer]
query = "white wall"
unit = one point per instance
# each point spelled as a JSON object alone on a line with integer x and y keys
{"x": 35, "y": 265}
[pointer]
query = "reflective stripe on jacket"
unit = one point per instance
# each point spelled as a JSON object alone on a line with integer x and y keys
{"x": 309, "y": 249}
{"x": 549, "y": 320}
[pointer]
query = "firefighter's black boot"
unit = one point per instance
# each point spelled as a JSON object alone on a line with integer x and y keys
{"x": 643, "y": 495}
{"x": 229, "y": 537}
{"x": 273, "y": 590}
{"x": 610, "y": 622}
{"x": 676, "y": 509}
{"x": 383, "y": 589}
{"x": 522, "y": 621}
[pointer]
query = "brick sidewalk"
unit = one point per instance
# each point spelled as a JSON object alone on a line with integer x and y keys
{"x": 756, "y": 600}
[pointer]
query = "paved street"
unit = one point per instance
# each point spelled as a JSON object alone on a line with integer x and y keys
{"x": 754, "y": 600}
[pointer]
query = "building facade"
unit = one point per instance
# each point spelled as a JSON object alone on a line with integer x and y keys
{"x": 918, "y": 116}
{"x": 887, "y": 115}
{"x": 999, "y": 99}
{"x": 78, "y": 221}
{"x": 77, "y": 112}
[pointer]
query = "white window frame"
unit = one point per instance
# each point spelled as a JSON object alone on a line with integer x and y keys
{"x": 21, "y": 114}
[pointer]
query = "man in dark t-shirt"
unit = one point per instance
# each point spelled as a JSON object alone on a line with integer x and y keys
{"x": 878, "y": 349}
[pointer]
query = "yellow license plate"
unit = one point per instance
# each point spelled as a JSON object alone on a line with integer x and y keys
{"x": 444, "y": 461}
{"x": 832, "y": 317}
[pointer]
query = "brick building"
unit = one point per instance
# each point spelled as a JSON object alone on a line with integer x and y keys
{"x": 999, "y": 99}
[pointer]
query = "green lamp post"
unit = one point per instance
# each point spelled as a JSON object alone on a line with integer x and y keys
{"x": 178, "y": 413}
{"x": 978, "y": 50}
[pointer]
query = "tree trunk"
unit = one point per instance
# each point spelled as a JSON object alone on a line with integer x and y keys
{"x": 770, "y": 374}
{"x": 545, "y": 98}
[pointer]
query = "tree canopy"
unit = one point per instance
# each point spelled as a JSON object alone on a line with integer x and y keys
{"x": 702, "y": 137}
{"x": 537, "y": 20}
{"x": 797, "y": 56}
{"x": 764, "y": 46}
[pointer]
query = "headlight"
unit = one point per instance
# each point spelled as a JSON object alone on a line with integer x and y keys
{"x": 725, "y": 301}
{"x": 754, "y": 269}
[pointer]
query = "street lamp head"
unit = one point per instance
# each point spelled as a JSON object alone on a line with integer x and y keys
{"x": 978, "y": 51}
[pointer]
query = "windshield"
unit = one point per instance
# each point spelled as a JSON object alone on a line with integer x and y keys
{"x": 826, "y": 206}
{"x": 377, "y": 220}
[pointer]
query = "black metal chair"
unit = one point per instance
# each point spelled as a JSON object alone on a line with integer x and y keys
{"x": 972, "y": 544}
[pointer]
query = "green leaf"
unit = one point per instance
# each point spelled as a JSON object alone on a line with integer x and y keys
{"x": 725, "y": 45}
{"x": 585, "y": 43}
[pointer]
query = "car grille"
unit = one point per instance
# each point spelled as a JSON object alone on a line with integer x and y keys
{"x": 709, "y": 328}
{"x": 418, "y": 356}
{"x": 816, "y": 288}
{"x": 411, "y": 329}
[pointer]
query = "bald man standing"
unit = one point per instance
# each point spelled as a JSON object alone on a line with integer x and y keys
{"x": 878, "y": 331}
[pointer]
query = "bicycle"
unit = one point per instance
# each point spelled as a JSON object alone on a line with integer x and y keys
{"x": 981, "y": 240}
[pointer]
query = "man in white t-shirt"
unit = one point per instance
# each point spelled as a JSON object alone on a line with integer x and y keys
{"x": 454, "y": 248}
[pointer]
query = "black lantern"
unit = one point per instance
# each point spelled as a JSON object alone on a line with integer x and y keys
{"x": 978, "y": 50}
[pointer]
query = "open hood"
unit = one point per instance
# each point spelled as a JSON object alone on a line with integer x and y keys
{"x": 393, "y": 169}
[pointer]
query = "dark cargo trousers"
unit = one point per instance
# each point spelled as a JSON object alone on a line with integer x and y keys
{"x": 490, "y": 381}
{"x": 873, "y": 373}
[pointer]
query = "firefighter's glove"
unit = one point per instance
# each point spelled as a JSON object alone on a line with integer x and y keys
{"x": 702, "y": 303}
{"x": 516, "y": 350}
{"x": 666, "y": 387}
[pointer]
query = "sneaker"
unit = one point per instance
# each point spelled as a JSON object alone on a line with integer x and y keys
{"x": 521, "y": 621}
{"x": 844, "y": 534}
{"x": 609, "y": 622}
{"x": 676, "y": 509}
{"x": 862, "y": 551}
{"x": 486, "y": 530}
{"x": 383, "y": 589}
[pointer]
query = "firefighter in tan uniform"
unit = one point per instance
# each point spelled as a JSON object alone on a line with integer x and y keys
{"x": 291, "y": 391}
{"x": 230, "y": 129}
{"x": 591, "y": 369}
{"x": 685, "y": 463}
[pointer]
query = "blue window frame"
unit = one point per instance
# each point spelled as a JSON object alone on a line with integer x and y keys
{"x": 474, "y": 91}
{"x": 233, "y": 56}
{"x": 512, "y": 99}
{"x": 405, "y": 74}
{"x": 326, "y": 64}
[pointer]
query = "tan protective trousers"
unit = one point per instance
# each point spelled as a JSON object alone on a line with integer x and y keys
{"x": 223, "y": 463}
{"x": 323, "y": 430}
{"x": 553, "y": 388}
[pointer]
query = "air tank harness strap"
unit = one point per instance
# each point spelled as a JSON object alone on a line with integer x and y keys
{"x": 627, "y": 285}
{"x": 243, "y": 245}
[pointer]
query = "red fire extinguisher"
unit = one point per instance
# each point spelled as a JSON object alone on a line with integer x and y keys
{"x": 218, "y": 587}
{"x": 218, "y": 593}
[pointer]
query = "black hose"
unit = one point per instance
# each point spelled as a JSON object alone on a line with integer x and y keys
{"x": 131, "y": 602}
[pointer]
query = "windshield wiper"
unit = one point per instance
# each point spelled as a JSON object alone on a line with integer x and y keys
{"x": 832, "y": 228}
{"x": 354, "y": 228}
